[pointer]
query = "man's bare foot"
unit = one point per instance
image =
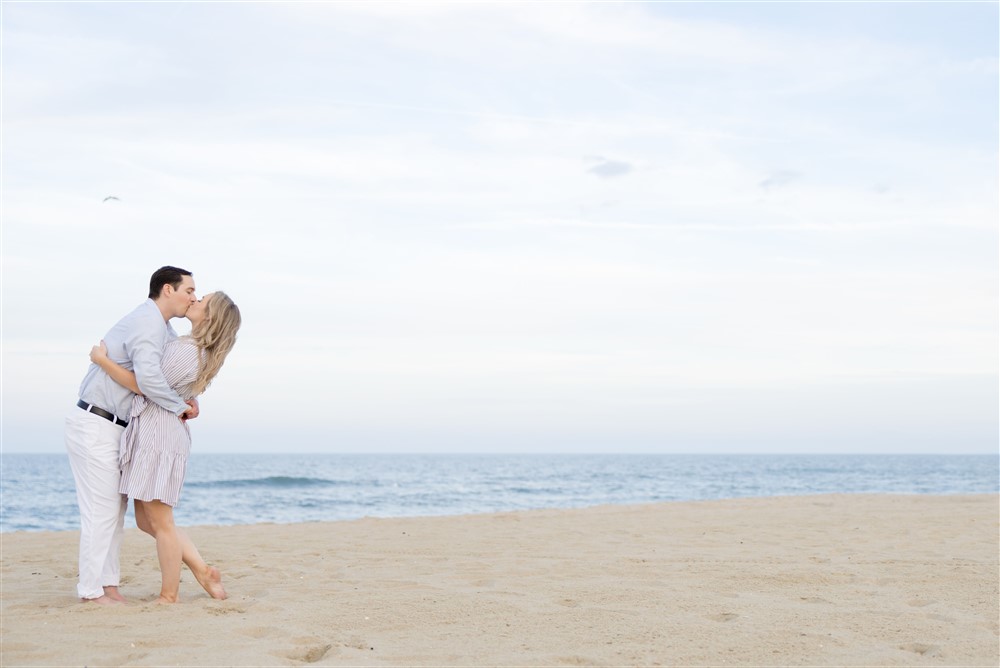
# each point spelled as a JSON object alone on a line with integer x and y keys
{"x": 211, "y": 581}
{"x": 102, "y": 600}
{"x": 112, "y": 593}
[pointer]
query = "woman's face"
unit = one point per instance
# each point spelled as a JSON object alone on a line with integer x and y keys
{"x": 196, "y": 314}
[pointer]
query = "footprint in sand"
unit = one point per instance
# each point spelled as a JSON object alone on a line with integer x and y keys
{"x": 356, "y": 643}
{"x": 922, "y": 649}
{"x": 259, "y": 632}
{"x": 814, "y": 599}
{"x": 226, "y": 610}
{"x": 313, "y": 654}
{"x": 576, "y": 661}
{"x": 919, "y": 603}
{"x": 724, "y": 617}
{"x": 483, "y": 583}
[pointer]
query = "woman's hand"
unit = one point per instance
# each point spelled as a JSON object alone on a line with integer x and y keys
{"x": 118, "y": 373}
{"x": 99, "y": 352}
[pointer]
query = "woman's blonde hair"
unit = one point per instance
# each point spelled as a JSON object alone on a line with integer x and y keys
{"x": 215, "y": 336}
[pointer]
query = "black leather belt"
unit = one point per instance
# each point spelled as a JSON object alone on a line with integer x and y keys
{"x": 103, "y": 413}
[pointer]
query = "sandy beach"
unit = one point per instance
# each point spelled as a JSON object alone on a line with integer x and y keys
{"x": 817, "y": 580}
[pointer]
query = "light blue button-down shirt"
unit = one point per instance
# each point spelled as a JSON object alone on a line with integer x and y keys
{"x": 135, "y": 343}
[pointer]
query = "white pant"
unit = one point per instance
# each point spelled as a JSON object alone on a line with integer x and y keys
{"x": 92, "y": 444}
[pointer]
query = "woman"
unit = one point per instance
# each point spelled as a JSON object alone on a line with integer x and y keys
{"x": 156, "y": 444}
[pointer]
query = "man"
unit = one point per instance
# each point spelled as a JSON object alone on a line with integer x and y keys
{"x": 94, "y": 427}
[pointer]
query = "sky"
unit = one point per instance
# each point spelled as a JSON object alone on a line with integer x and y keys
{"x": 517, "y": 227}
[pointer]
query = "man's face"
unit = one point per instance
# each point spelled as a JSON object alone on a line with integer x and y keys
{"x": 180, "y": 300}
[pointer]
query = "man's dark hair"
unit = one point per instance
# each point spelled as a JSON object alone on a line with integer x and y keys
{"x": 163, "y": 276}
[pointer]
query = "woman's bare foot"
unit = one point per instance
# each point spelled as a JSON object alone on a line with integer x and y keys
{"x": 112, "y": 593}
{"x": 101, "y": 600}
{"x": 211, "y": 581}
{"x": 165, "y": 601}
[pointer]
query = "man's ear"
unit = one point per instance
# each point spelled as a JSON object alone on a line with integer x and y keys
{"x": 167, "y": 290}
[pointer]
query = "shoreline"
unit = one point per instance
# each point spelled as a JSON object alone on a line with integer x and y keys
{"x": 843, "y": 579}
{"x": 129, "y": 519}
{"x": 240, "y": 489}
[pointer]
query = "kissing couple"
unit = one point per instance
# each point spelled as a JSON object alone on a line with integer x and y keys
{"x": 128, "y": 435}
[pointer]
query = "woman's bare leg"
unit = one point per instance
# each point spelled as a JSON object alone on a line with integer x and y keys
{"x": 141, "y": 520}
{"x": 168, "y": 548}
{"x": 207, "y": 576}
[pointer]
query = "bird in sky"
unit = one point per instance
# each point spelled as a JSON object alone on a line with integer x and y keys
{"x": 110, "y": 197}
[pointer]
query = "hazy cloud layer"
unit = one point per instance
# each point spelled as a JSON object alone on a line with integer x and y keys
{"x": 782, "y": 234}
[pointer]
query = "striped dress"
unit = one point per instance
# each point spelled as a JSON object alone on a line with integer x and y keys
{"x": 156, "y": 444}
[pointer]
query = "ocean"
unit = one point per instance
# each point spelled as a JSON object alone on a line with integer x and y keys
{"x": 37, "y": 492}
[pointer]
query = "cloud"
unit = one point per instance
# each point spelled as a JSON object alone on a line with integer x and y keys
{"x": 779, "y": 178}
{"x": 609, "y": 169}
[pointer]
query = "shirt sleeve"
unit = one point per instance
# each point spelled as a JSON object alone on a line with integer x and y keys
{"x": 144, "y": 346}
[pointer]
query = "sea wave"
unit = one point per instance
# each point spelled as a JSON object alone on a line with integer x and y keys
{"x": 280, "y": 481}
{"x": 39, "y": 493}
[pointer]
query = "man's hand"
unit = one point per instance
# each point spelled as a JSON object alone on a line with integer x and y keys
{"x": 192, "y": 412}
